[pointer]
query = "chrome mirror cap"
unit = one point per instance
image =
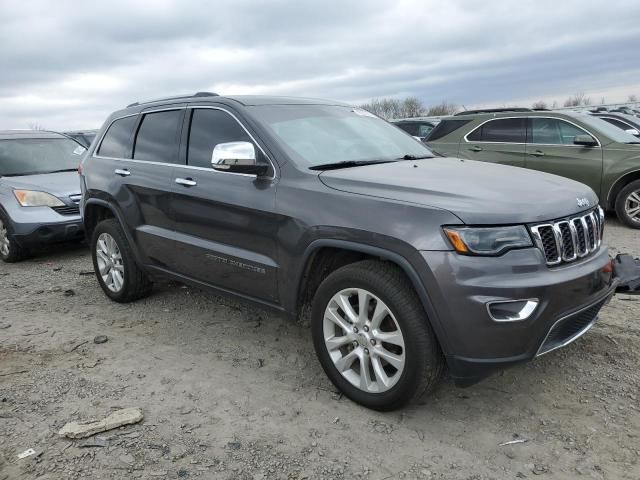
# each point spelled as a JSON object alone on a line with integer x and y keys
{"x": 228, "y": 155}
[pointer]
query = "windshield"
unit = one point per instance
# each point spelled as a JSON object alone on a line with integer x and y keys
{"x": 322, "y": 134}
{"x": 38, "y": 155}
{"x": 614, "y": 133}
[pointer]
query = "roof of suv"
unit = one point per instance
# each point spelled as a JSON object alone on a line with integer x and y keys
{"x": 22, "y": 134}
{"x": 518, "y": 112}
{"x": 246, "y": 100}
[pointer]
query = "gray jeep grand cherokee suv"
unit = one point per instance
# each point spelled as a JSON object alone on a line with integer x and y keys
{"x": 403, "y": 262}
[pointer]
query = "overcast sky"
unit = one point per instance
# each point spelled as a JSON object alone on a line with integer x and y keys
{"x": 70, "y": 64}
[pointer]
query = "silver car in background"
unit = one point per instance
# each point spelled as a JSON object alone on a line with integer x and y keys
{"x": 39, "y": 191}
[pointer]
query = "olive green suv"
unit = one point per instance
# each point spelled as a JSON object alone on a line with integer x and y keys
{"x": 571, "y": 144}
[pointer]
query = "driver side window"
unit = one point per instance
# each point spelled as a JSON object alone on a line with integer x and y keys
{"x": 208, "y": 128}
{"x": 552, "y": 131}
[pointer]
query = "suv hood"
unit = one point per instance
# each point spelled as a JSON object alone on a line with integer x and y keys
{"x": 60, "y": 184}
{"x": 476, "y": 192}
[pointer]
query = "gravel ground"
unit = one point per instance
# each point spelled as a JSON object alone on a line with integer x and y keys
{"x": 232, "y": 392}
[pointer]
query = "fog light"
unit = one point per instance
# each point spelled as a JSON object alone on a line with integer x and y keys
{"x": 512, "y": 310}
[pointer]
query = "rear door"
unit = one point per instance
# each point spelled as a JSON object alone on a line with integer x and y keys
{"x": 550, "y": 148}
{"x": 225, "y": 223}
{"x": 499, "y": 140}
{"x": 144, "y": 182}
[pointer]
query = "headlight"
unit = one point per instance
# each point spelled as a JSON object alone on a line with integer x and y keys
{"x": 487, "y": 241}
{"x": 31, "y": 198}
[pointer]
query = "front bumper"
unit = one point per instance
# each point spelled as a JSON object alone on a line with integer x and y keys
{"x": 33, "y": 226}
{"x": 460, "y": 288}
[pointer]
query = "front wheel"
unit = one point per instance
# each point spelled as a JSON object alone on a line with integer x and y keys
{"x": 372, "y": 336}
{"x": 10, "y": 251}
{"x": 118, "y": 274}
{"x": 628, "y": 204}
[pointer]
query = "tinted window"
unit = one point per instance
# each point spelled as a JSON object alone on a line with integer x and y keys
{"x": 210, "y": 127}
{"x": 445, "y": 127}
{"x": 157, "y": 139}
{"x": 552, "y": 131}
{"x": 617, "y": 123}
{"x": 116, "y": 142}
{"x": 410, "y": 128}
{"x": 507, "y": 130}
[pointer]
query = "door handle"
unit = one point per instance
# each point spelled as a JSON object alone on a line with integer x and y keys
{"x": 187, "y": 182}
{"x": 537, "y": 153}
{"x": 123, "y": 172}
{"x": 476, "y": 149}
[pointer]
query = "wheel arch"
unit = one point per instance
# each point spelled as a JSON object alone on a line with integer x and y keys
{"x": 618, "y": 185}
{"x": 352, "y": 252}
{"x": 96, "y": 210}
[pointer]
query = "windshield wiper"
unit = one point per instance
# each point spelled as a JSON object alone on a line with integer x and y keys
{"x": 347, "y": 164}
{"x": 415, "y": 157}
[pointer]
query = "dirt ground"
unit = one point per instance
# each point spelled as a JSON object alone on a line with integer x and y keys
{"x": 233, "y": 392}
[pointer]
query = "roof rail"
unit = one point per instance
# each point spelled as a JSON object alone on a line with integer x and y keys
{"x": 494, "y": 110}
{"x": 178, "y": 97}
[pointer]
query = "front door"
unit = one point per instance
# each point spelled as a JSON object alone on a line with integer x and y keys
{"x": 550, "y": 148}
{"x": 225, "y": 224}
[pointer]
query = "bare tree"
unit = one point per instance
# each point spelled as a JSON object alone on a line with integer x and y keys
{"x": 36, "y": 126}
{"x": 579, "y": 99}
{"x": 632, "y": 99}
{"x": 412, "y": 107}
{"x": 444, "y": 108}
{"x": 539, "y": 105}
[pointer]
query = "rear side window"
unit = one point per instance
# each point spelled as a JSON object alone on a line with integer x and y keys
{"x": 157, "y": 139}
{"x": 504, "y": 130}
{"x": 209, "y": 127}
{"x": 617, "y": 123}
{"x": 444, "y": 128}
{"x": 117, "y": 141}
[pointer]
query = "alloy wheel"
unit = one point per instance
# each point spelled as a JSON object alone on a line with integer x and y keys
{"x": 4, "y": 240}
{"x": 364, "y": 340}
{"x": 632, "y": 206}
{"x": 110, "y": 263}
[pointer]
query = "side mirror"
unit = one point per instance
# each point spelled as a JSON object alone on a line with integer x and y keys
{"x": 237, "y": 157}
{"x": 585, "y": 140}
{"x": 633, "y": 131}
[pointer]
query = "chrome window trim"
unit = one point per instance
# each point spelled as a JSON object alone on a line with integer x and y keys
{"x": 499, "y": 143}
{"x": 191, "y": 167}
{"x": 618, "y": 120}
{"x": 599, "y": 145}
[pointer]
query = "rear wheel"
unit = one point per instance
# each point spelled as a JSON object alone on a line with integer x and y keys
{"x": 10, "y": 251}
{"x": 118, "y": 274}
{"x": 628, "y": 204}
{"x": 372, "y": 336}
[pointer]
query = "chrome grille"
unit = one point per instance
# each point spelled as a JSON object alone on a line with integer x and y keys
{"x": 569, "y": 239}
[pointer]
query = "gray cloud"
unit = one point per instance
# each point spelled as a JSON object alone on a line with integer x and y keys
{"x": 70, "y": 65}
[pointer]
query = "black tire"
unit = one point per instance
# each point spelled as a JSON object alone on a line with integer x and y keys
{"x": 621, "y": 199}
{"x": 424, "y": 364}
{"x": 136, "y": 284}
{"x": 16, "y": 252}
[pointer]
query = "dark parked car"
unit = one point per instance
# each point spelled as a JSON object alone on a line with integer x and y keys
{"x": 416, "y": 127}
{"x": 575, "y": 145}
{"x": 84, "y": 137}
{"x": 628, "y": 123}
{"x": 404, "y": 263}
{"x": 39, "y": 191}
